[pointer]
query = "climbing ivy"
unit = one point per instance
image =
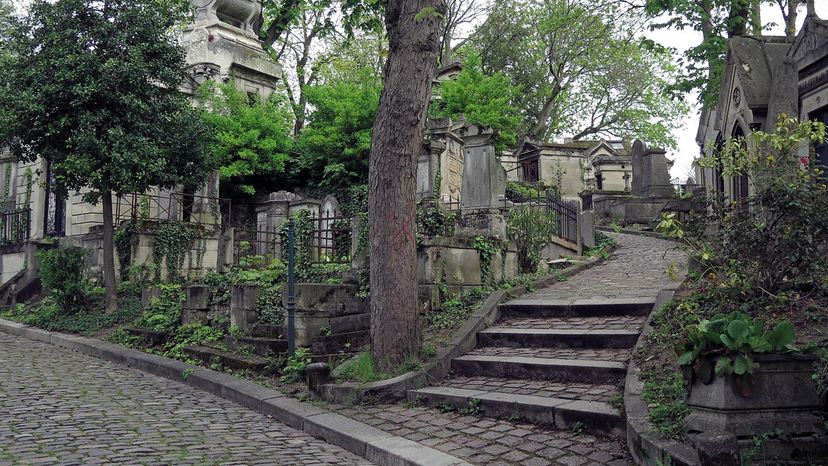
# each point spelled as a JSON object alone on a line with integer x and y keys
{"x": 303, "y": 245}
{"x": 173, "y": 240}
{"x": 486, "y": 251}
{"x": 126, "y": 240}
{"x": 28, "y": 176}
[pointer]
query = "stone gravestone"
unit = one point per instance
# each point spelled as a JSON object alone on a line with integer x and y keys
{"x": 484, "y": 179}
{"x": 441, "y": 154}
{"x": 651, "y": 172}
{"x": 484, "y": 186}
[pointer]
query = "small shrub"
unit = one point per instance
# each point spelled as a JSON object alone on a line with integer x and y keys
{"x": 530, "y": 229}
{"x": 433, "y": 220}
{"x": 361, "y": 369}
{"x": 62, "y": 272}
{"x": 164, "y": 312}
{"x": 295, "y": 366}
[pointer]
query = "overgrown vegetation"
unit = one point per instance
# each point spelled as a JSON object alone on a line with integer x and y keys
{"x": 530, "y": 229}
{"x": 64, "y": 275}
{"x": 761, "y": 266}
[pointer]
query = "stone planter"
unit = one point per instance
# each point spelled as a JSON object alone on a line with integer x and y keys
{"x": 784, "y": 398}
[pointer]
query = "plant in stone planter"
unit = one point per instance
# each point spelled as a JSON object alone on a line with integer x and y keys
{"x": 725, "y": 346}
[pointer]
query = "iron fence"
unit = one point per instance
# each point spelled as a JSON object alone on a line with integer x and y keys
{"x": 331, "y": 238}
{"x": 249, "y": 243}
{"x": 181, "y": 207}
{"x": 566, "y": 215}
{"x": 16, "y": 226}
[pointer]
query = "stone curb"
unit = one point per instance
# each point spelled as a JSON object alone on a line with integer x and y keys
{"x": 463, "y": 341}
{"x": 625, "y": 231}
{"x": 361, "y": 439}
{"x": 647, "y": 446}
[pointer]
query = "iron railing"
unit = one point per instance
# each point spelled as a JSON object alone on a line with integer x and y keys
{"x": 331, "y": 238}
{"x": 180, "y": 207}
{"x": 16, "y": 226}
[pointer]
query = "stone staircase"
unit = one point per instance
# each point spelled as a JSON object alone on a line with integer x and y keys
{"x": 554, "y": 363}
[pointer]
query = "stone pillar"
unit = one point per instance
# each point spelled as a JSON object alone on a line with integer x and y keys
{"x": 196, "y": 305}
{"x": 243, "y": 305}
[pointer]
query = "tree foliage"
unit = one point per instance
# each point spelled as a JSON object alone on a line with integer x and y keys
{"x": 252, "y": 138}
{"x": 578, "y": 74}
{"x": 333, "y": 148}
{"x": 92, "y": 87}
{"x": 484, "y": 100}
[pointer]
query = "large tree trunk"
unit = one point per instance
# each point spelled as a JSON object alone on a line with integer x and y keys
{"x": 397, "y": 139}
{"x": 108, "y": 254}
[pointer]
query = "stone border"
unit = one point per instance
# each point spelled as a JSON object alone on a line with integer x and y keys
{"x": 647, "y": 446}
{"x": 626, "y": 231}
{"x": 375, "y": 445}
{"x": 463, "y": 340}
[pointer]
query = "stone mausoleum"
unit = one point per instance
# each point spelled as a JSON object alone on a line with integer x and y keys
{"x": 765, "y": 77}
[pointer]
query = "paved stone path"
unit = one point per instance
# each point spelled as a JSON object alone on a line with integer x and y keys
{"x": 491, "y": 442}
{"x": 61, "y": 407}
{"x": 637, "y": 270}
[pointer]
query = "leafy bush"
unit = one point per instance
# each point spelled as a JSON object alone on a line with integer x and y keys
{"x": 295, "y": 366}
{"x": 530, "y": 229}
{"x": 433, "y": 220}
{"x": 522, "y": 192}
{"x": 773, "y": 240}
{"x": 62, "y": 272}
{"x": 164, "y": 312}
{"x": 733, "y": 339}
{"x": 48, "y": 315}
{"x": 194, "y": 334}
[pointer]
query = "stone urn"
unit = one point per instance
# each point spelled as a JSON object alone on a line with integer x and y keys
{"x": 784, "y": 398}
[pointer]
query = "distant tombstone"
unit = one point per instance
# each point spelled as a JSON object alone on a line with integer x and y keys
{"x": 651, "y": 172}
{"x": 484, "y": 179}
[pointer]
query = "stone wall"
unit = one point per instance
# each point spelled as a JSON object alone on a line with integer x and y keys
{"x": 454, "y": 264}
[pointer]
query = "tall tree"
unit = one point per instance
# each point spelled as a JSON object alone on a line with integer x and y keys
{"x": 459, "y": 14}
{"x": 93, "y": 89}
{"x": 413, "y": 35}
{"x": 790, "y": 11}
{"x": 557, "y": 52}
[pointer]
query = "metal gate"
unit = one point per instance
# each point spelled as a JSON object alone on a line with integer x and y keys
{"x": 567, "y": 215}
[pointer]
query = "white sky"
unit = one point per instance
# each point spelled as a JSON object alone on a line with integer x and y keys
{"x": 684, "y": 39}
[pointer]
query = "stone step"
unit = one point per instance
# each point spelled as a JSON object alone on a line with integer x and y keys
{"x": 351, "y": 323}
{"x": 260, "y": 345}
{"x": 520, "y": 367}
{"x": 594, "y": 416}
{"x": 351, "y": 341}
{"x": 226, "y": 359}
{"x": 267, "y": 331}
{"x": 151, "y": 337}
{"x": 635, "y": 323}
{"x": 530, "y": 307}
{"x": 609, "y": 392}
{"x": 555, "y": 338}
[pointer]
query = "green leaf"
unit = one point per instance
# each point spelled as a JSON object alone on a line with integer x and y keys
{"x": 738, "y": 330}
{"x": 724, "y": 366}
{"x": 782, "y": 335}
{"x": 703, "y": 370}
{"x": 686, "y": 358}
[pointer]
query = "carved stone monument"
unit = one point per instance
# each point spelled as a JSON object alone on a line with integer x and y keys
{"x": 651, "y": 172}
{"x": 221, "y": 44}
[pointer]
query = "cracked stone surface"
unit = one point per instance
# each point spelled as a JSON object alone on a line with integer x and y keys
{"x": 634, "y": 323}
{"x": 62, "y": 407}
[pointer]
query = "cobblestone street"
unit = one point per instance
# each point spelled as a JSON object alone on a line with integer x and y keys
{"x": 61, "y": 407}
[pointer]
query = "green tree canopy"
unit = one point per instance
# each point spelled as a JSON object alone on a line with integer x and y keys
{"x": 333, "y": 147}
{"x": 484, "y": 100}
{"x": 252, "y": 138}
{"x": 577, "y": 71}
{"x": 92, "y": 87}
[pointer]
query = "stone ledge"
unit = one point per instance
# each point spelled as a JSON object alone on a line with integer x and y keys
{"x": 646, "y": 445}
{"x": 371, "y": 443}
{"x": 463, "y": 341}
{"x": 625, "y": 231}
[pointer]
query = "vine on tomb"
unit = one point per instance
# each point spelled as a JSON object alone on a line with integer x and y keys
{"x": 173, "y": 240}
